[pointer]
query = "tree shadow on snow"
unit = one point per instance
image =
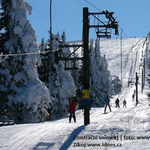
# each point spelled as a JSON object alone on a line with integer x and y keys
{"x": 71, "y": 137}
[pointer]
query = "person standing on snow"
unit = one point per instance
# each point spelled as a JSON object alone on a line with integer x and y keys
{"x": 117, "y": 103}
{"x": 124, "y": 103}
{"x": 132, "y": 97}
{"x": 72, "y": 108}
{"x": 107, "y": 104}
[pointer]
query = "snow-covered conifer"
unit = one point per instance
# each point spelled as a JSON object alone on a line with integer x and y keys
{"x": 99, "y": 75}
{"x": 27, "y": 94}
{"x": 4, "y": 18}
{"x": 43, "y": 69}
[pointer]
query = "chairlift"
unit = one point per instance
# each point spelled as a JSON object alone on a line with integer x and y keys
{"x": 103, "y": 33}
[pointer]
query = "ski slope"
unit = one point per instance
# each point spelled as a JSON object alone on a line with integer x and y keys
{"x": 123, "y": 128}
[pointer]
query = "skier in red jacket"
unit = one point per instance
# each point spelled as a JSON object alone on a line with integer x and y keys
{"x": 72, "y": 108}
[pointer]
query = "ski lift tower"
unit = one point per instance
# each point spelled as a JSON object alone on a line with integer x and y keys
{"x": 102, "y": 30}
{"x": 111, "y": 23}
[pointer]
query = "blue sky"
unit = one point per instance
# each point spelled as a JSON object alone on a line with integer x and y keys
{"x": 133, "y": 16}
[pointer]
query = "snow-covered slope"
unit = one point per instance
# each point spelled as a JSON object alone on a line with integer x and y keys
{"x": 123, "y": 128}
{"x": 131, "y": 51}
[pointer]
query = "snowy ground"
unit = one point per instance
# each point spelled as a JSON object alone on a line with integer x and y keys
{"x": 123, "y": 128}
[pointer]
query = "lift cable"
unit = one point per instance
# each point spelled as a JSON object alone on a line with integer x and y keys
{"x": 92, "y": 5}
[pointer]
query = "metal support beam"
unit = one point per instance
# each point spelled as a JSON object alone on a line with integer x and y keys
{"x": 50, "y": 49}
{"x": 136, "y": 84}
{"x": 85, "y": 91}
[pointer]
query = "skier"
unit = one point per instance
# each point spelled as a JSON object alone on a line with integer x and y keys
{"x": 107, "y": 104}
{"x": 117, "y": 103}
{"x": 72, "y": 108}
{"x": 124, "y": 103}
{"x": 132, "y": 97}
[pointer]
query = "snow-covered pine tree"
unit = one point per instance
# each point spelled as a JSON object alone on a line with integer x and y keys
{"x": 43, "y": 69}
{"x": 100, "y": 85}
{"x": 61, "y": 82}
{"x": 26, "y": 93}
{"x": 116, "y": 84}
{"x": 77, "y": 74}
{"x": 4, "y": 35}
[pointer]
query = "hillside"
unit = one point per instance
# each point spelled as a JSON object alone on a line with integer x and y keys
{"x": 123, "y": 128}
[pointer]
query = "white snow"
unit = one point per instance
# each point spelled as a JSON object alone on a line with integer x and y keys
{"x": 18, "y": 30}
{"x": 126, "y": 128}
